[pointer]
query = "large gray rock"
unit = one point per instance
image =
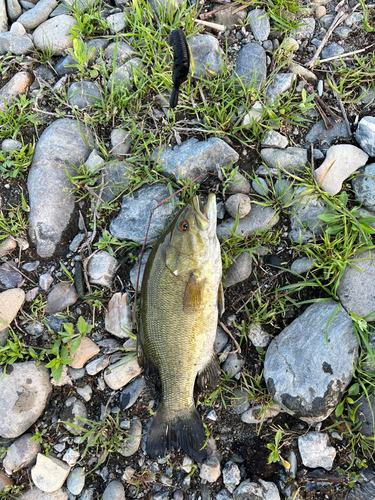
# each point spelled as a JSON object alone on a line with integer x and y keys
{"x": 287, "y": 160}
{"x": 24, "y": 392}
{"x": 320, "y": 133}
{"x": 356, "y": 290}
{"x": 54, "y": 35}
{"x": 194, "y": 158}
{"x": 364, "y": 186}
{"x": 258, "y": 219}
{"x": 62, "y": 146}
{"x": 251, "y": 65}
{"x": 131, "y": 223}
{"x": 310, "y": 363}
{"x": 34, "y": 17}
{"x": 207, "y": 54}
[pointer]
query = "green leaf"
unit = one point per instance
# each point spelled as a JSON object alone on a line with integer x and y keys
{"x": 81, "y": 325}
{"x": 354, "y": 389}
{"x": 75, "y": 344}
{"x": 339, "y": 410}
{"x": 69, "y": 328}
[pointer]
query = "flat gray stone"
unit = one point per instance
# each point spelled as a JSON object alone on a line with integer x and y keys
{"x": 54, "y": 35}
{"x": 233, "y": 364}
{"x": 121, "y": 372}
{"x": 251, "y": 65}
{"x": 15, "y": 43}
{"x": 73, "y": 411}
{"x": 116, "y": 22}
{"x": 239, "y": 270}
{"x": 83, "y": 94}
{"x": 273, "y": 139}
{"x": 37, "y": 494}
{"x": 101, "y": 268}
{"x": 301, "y": 266}
{"x": 24, "y": 392}
{"x": 49, "y": 473}
{"x": 10, "y": 303}
{"x": 60, "y": 297}
{"x": 3, "y": 17}
{"x": 130, "y": 446}
{"x": 324, "y": 136}
{"x": 132, "y": 392}
{"x": 11, "y": 145}
{"x": 332, "y": 50}
{"x": 123, "y": 50}
{"x": 120, "y": 141}
{"x": 134, "y": 271}
{"x": 259, "y": 24}
{"x": 258, "y": 219}
{"x": 114, "y": 491}
{"x": 288, "y": 160}
{"x": 194, "y": 158}
{"x": 281, "y": 84}
{"x": 36, "y": 16}
{"x": 228, "y": 19}
{"x": 10, "y": 277}
{"x": 365, "y": 134}
{"x": 76, "y": 480}
{"x": 132, "y": 221}
{"x": 364, "y": 186}
{"x": 207, "y": 54}
{"x": 21, "y": 453}
{"x": 118, "y": 318}
{"x": 356, "y": 290}
{"x": 59, "y": 149}
{"x": 306, "y": 375}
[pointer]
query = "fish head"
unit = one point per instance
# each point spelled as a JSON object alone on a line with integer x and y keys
{"x": 193, "y": 236}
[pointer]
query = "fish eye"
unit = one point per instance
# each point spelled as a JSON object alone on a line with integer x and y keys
{"x": 184, "y": 226}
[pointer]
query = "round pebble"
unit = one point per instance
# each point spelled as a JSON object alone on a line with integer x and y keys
{"x": 238, "y": 203}
{"x": 320, "y": 11}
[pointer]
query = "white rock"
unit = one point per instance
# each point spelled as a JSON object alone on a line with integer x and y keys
{"x": 210, "y": 470}
{"x": 315, "y": 450}
{"x": 49, "y": 473}
{"x": 118, "y": 319}
{"x": 258, "y": 336}
{"x": 341, "y": 161}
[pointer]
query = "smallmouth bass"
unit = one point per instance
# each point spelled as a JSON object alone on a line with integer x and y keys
{"x": 181, "y": 297}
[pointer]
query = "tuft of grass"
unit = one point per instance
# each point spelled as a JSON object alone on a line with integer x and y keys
{"x": 16, "y": 117}
{"x": 16, "y": 163}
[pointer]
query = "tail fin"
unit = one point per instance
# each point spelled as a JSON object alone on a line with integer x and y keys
{"x": 185, "y": 428}
{"x": 174, "y": 98}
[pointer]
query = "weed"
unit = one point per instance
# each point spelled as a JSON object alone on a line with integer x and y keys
{"x": 15, "y": 350}
{"x": 16, "y": 163}
{"x": 90, "y": 20}
{"x": 16, "y": 117}
{"x": 275, "y": 455}
{"x": 83, "y": 57}
{"x": 12, "y": 222}
{"x": 11, "y": 492}
{"x": 38, "y": 437}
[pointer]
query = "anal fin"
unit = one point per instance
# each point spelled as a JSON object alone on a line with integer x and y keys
{"x": 208, "y": 378}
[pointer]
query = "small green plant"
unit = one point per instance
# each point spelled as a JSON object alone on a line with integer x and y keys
{"x": 60, "y": 357}
{"x": 12, "y": 222}
{"x": 83, "y": 57}
{"x": 11, "y": 492}
{"x": 16, "y": 117}
{"x": 16, "y": 163}
{"x": 15, "y": 350}
{"x": 275, "y": 447}
{"x": 307, "y": 102}
{"x": 107, "y": 241}
{"x": 38, "y": 437}
{"x": 73, "y": 338}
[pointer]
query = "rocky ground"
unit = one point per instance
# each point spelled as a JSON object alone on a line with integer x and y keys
{"x": 278, "y": 119}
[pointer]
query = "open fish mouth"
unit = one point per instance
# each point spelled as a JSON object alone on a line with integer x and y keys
{"x": 205, "y": 216}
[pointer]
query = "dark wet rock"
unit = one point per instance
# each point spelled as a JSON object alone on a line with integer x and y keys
{"x": 324, "y": 136}
{"x": 16, "y": 86}
{"x": 34, "y": 17}
{"x": 83, "y": 94}
{"x": 60, "y": 148}
{"x": 364, "y": 186}
{"x": 258, "y": 219}
{"x": 259, "y": 24}
{"x": 365, "y": 134}
{"x": 101, "y": 268}
{"x": 10, "y": 277}
{"x": 60, "y": 297}
{"x": 132, "y": 221}
{"x": 239, "y": 270}
{"x": 21, "y": 453}
{"x": 300, "y": 350}
{"x": 54, "y": 35}
{"x": 207, "y": 54}
{"x": 251, "y": 65}
{"x": 356, "y": 289}
{"x": 194, "y": 158}
{"x": 332, "y": 50}
{"x": 305, "y": 29}
{"x": 287, "y": 160}
{"x": 24, "y": 392}
{"x": 132, "y": 392}
{"x": 315, "y": 450}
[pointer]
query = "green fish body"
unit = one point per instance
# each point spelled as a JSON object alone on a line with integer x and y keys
{"x": 180, "y": 300}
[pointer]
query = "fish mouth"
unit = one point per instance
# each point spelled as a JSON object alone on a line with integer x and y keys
{"x": 205, "y": 216}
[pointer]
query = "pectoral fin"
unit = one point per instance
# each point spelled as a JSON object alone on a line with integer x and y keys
{"x": 208, "y": 378}
{"x": 220, "y": 300}
{"x": 193, "y": 295}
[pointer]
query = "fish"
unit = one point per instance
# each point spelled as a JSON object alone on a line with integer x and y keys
{"x": 181, "y": 299}
{"x": 181, "y": 62}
